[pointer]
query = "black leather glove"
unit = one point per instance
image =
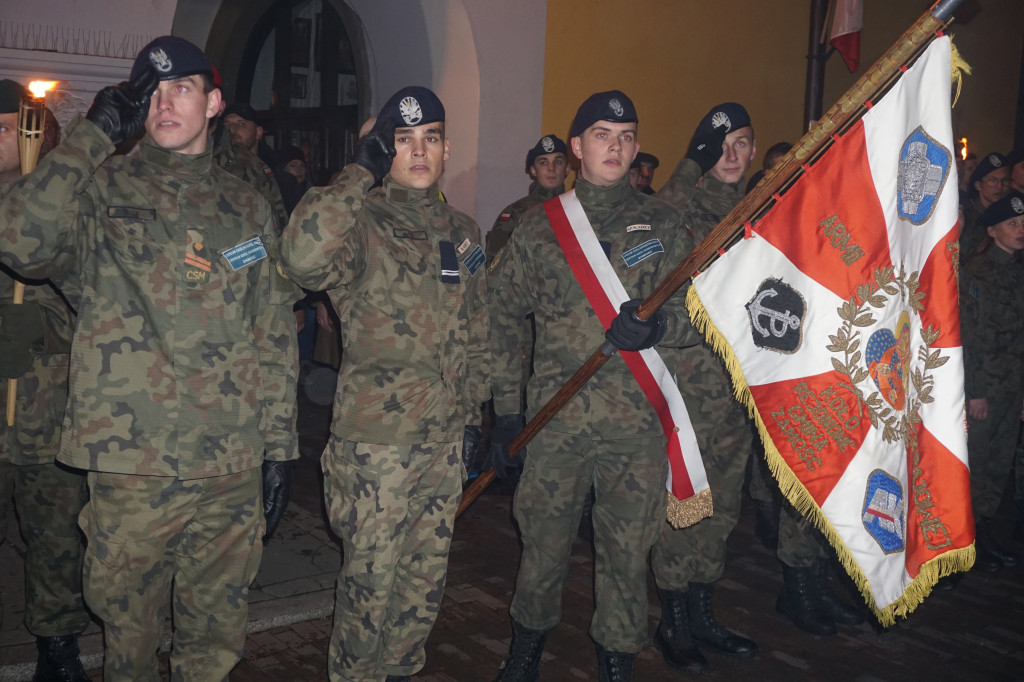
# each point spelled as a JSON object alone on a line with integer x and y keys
{"x": 506, "y": 428}
{"x": 628, "y": 332}
{"x": 21, "y": 332}
{"x": 706, "y": 149}
{"x": 376, "y": 149}
{"x": 470, "y": 443}
{"x": 277, "y": 490}
{"x": 120, "y": 110}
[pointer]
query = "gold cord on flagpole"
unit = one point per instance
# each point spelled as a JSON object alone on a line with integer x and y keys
{"x": 960, "y": 67}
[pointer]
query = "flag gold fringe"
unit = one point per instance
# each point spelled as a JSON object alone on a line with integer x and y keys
{"x": 685, "y": 513}
{"x": 960, "y": 67}
{"x": 950, "y": 562}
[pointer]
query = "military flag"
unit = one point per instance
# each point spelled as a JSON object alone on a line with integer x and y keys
{"x": 847, "y": 22}
{"x": 837, "y": 315}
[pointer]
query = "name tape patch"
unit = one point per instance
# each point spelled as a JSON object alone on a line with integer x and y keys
{"x": 474, "y": 260}
{"x": 246, "y": 253}
{"x": 642, "y": 252}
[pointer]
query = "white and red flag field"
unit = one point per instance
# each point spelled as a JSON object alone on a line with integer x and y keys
{"x": 837, "y": 315}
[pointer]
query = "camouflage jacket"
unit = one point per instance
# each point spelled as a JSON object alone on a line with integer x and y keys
{"x": 246, "y": 166}
{"x": 536, "y": 278}
{"x": 180, "y": 365}
{"x": 43, "y": 390}
{"x": 405, "y": 273}
{"x": 509, "y": 218}
{"x": 992, "y": 324}
{"x": 703, "y": 200}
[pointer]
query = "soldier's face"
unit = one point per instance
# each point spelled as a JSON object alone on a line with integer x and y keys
{"x": 1009, "y": 234}
{"x": 245, "y": 134}
{"x": 420, "y": 155}
{"x": 994, "y": 186}
{"x": 645, "y": 174}
{"x": 549, "y": 170}
{"x": 738, "y": 150}
{"x": 10, "y": 159}
{"x": 606, "y": 150}
{"x": 179, "y": 112}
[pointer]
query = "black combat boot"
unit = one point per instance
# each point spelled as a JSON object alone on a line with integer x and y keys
{"x": 673, "y": 637}
{"x": 614, "y": 666}
{"x": 986, "y": 545}
{"x": 798, "y": 602}
{"x": 840, "y": 612}
{"x": 766, "y": 524}
{"x": 58, "y": 660}
{"x": 523, "y": 662}
{"x": 708, "y": 631}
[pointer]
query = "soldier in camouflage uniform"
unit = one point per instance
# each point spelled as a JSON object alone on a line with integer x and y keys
{"x": 35, "y": 339}
{"x": 992, "y": 324}
{"x": 608, "y": 435}
{"x": 246, "y": 166}
{"x": 405, "y": 272}
{"x": 989, "y": 183}
{"x": 706, "y": 185}
{"x": 183, "y": 366}
{"x": 546, "y": 165}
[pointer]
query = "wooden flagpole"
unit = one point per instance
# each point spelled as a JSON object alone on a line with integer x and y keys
{"x": 839, "y": 118}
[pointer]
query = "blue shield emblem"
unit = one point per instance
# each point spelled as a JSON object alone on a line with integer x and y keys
{"x": 884, "y": 513}
{"x": 924, "y": 168}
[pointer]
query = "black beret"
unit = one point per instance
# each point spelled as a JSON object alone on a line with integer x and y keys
{"x": 412, "y": 106}
{"x": 645, "y": 158}
{"x": 729, "y": 114}
{"x": 241, "y": 110}
{"x": 1011, "y": 206}
{"x": 11, "y": 93}
{"x": 611, "y": 106}
{"x": 987, "y": 165}
{"x": 549, "y": 144}
{"x": 290, "y": 153}
{"x": 172, "y": 57}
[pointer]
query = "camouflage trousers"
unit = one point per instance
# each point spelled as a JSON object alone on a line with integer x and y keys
{"x": 148, "y": 535}
{"x": 990, "y": 449}
{"x": 762, "y": 487}
{"x": 48, "y": 498}
{"x": 628, "y": 476}
{"x": 393, "y": 506}
{"x": 697, "y": 553}
{"x": 801, "y": 545}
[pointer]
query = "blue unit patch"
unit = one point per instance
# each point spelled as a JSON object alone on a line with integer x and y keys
{"x": 924, "y": 168}
{"x": 884, "y": 513}
{"x": 244, "y": 254}
{"x": 474, "y": 260}
{"x": 642, "y": 252}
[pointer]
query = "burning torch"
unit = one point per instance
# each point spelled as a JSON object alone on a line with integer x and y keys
{"x": 31, "y": 124}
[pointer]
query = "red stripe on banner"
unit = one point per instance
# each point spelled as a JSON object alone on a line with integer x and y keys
{"x": 938, "y": 279}
{"x": 574, "y": 254}
{"x": 937, "y": 518}
{"x": 814, "y": 423}
{"x": 830, "y": 224}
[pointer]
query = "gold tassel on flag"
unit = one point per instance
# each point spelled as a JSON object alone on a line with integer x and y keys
{"x": 960, "y": 67}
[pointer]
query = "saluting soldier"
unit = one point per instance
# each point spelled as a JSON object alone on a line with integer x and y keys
{"x": 406, "y": 273}
{"x": 184, "y": 366}
{"x": 608, "y": 435}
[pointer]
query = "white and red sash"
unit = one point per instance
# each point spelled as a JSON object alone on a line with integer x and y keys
{"x": 605, "y": 293}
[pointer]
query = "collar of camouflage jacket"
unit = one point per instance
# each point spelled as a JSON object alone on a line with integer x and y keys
{"x": 542, "y": 193}
{"x": 715, "y": 186}
{"x": 598, "y": 198}
{"x": 400, "y": 194}
{"x": 185, "y": 165}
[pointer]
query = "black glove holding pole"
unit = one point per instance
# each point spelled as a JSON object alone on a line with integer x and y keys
{"x": 629, "y": 332}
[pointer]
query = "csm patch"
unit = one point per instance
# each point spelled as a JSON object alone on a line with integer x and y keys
{"x": 776, "y": 314}
{"x": 245, "y": 254}
{"x": 642, "y": 252}
{"x": 197, "y": 262}
{"x": 474, "y": 260}
{"x": 883, "y": 512}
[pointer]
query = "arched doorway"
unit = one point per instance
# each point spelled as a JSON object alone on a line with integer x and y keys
{"x": 300, "y": 64}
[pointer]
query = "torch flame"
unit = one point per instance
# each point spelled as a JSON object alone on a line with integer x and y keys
{"x": 39, "y": 88}
{"x": 963, "y": 152}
